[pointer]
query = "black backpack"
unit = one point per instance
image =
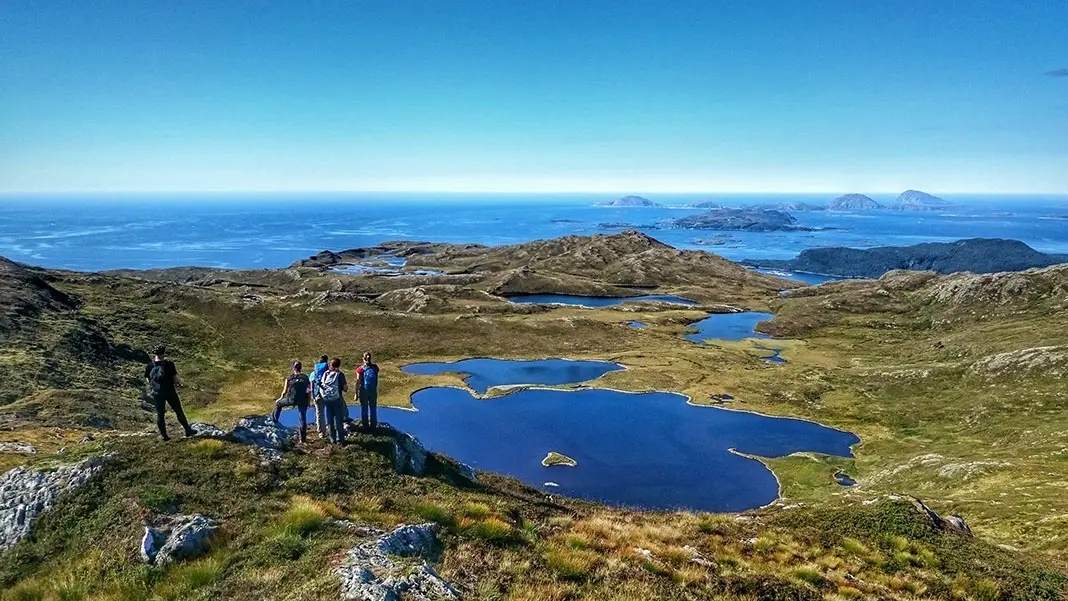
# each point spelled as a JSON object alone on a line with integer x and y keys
{"x": 298, "y": 388}
{"x": 157, "y": 378}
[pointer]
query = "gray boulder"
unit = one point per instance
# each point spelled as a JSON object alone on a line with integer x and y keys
{"x": 951, "y": 523}
{"x": 17, "y": 447}
{"x": 207, "y": 430}
{"x": 409, "y": 455}
{"x": 26, "y": 493}
{"x": 382, "y": 569}
{"x": 263, "y": 432}
{"x": 178, "y": 538}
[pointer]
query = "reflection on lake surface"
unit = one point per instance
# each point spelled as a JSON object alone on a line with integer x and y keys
{"x": 487, "y": 373}
{"x": 596, "y": 301}
{"x": 729, "y": 326}
{"x": 643, "y": 450}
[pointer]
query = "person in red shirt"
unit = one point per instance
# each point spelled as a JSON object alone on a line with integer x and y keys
{"x": 367, "y": 393}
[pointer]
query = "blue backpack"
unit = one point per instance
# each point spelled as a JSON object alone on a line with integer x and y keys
{"x": 369, "y": 382}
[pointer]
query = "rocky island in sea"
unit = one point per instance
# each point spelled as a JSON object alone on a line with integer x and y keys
{"x": 752, "y": 220}
{"x": 915, "y": 200}
{"x": 630, "y": 201}
{"x": 976, "y": 255}
{"x": 853, "y": 202}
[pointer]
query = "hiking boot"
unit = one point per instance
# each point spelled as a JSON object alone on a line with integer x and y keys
{"x": 164, "y": 438}
{"x": 190, "y": 433}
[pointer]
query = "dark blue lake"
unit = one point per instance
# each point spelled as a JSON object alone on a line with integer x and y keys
{"x": 596, "y": 301}
{"x": 729, "y": 326}
{"x": 649, "y": 450}
{"x": 484, "y": 374}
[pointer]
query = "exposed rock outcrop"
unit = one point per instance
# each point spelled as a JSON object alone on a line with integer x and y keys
{"x": 26, "y": 493}
{"x": 177, "y": 538}
{"x": 263, "y": 432}
{"x": 17, "y": 447}
{"x": 394, "y": 566}
{"x": 950, "y": 523}
{"x": 1049, "y": 360}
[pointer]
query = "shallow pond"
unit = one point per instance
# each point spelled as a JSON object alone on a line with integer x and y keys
{"x": 729, "y": 326}
{"x": 648, "y": 450}
{"x": 484, "y": 374}
{"x": 596, "y": 301}
{"x": 636, "y": 324}
{"x": 844, "y": 479}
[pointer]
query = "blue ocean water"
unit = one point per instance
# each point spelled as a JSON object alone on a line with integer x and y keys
{"x": 98, "y": 232}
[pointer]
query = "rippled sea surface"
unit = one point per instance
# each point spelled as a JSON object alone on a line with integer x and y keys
{"x": 98, "y": 232}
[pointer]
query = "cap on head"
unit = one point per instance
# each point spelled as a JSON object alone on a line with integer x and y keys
{"x": 159, "y": 351}
{"x": 297, "y": 367}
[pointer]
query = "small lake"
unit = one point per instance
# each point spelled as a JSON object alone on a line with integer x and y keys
{"x": 483, "y": 374}
{"x": 729, "y": 326}
{"x": 596, "y": 301}
{"x": 649, "y": 450}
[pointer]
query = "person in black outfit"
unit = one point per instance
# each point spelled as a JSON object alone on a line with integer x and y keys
{"x": 296, "y": 392}
{"x": 164, "y": 382}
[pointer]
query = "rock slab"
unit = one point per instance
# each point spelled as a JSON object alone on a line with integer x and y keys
{"x": 382, "y": 569}
{"x": 178, "y": 538}
{"x": 263, "y": 432}
{"x": 26, "y": 493}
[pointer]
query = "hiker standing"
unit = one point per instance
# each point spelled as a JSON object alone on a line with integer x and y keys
{"x": 332, "y": 389}
{"x": 163, "y": 382}
{"x": 367, "y": 393}
{"x": 320, "y": 410}
{"x": 296, "y": 392}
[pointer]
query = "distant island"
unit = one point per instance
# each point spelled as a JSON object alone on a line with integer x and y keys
{"x": 554, "y": 458}
{"x": 630, "y": 201}
{"x": 853, "y": 202}
{"x": 802, "y": 207}
{"x": 708, "y": 204}
{"x": 752, "y": 220}
{"x": 914, "y": 200}
{"x": 977, "y": 255}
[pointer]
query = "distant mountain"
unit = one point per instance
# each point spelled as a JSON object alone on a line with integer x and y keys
{"x": 753, "y": 220}
{"x": 630, "y": 201}
{"x": 801, "y": 207}
{"x": 977, "y": 255}
{"x": 914, "y": 200}
{"x": 708, "y": 204}
{"x": 853, "y": 202}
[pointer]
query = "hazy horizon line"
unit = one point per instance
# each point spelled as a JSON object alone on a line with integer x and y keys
{"x": 519, "y": 192}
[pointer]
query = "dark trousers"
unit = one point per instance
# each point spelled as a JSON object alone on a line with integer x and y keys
{"x": 336, "y": 413}
{"x": 302, "y": 414}
{"x": 169, "y": 397}
{"x": 369, "y": 409}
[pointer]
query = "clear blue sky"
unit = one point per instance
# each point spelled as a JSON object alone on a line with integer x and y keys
{"x": 568, "y": 95}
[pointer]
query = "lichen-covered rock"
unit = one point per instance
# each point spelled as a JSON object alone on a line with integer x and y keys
{"x": 177, "y": 538}
{"x": 376, "y": 570}
{"x": 263, "y": 432}
{"x": 1047, "y": 360}
{"x": 951, "y": 523}
{"x": 207, "y": 430}
{"x": 25, "y": 494}
{"x": 409, "y": 455}
{"x": 17, "y": 447}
